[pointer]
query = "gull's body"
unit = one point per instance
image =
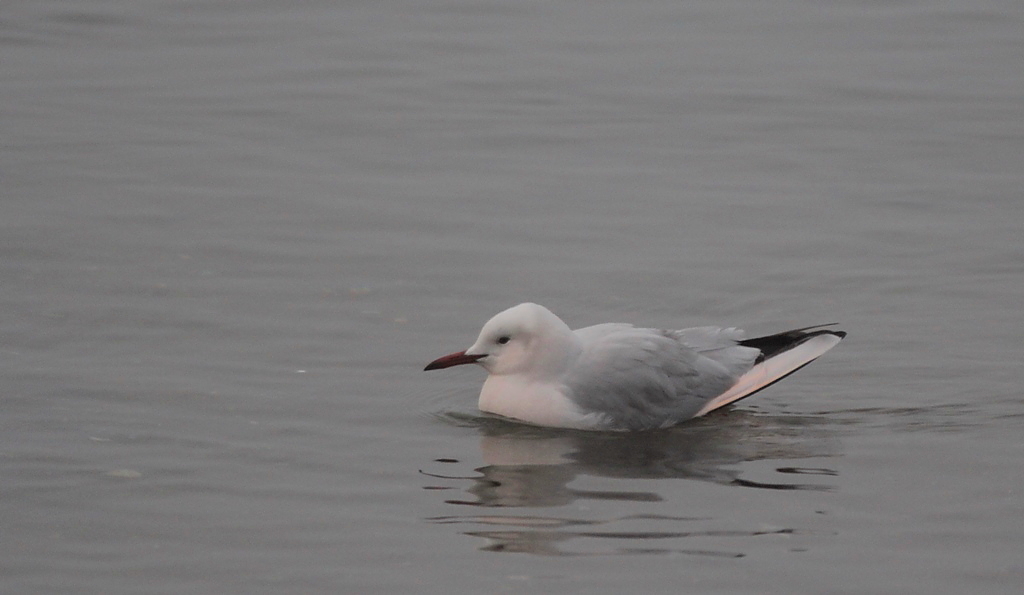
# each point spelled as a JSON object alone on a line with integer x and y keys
{"x": 619, "y": 377}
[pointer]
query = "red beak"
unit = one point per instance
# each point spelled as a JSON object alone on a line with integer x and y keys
{"x": 455, "y": 359}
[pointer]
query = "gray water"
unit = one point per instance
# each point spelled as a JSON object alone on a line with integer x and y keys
{"x": 232, "y": 233}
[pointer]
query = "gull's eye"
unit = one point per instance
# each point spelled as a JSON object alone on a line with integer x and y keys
{"x": 504, "y": 339}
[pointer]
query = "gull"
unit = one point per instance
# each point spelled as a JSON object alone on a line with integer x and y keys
{"x": 619, "y": 377}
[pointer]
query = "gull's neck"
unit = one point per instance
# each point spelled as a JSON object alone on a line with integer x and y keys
{"x": 554, "y": 353}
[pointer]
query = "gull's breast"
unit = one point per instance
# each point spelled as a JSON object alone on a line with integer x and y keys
{"x": 538, "y": 403}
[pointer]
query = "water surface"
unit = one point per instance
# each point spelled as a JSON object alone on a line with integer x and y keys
{"x": 232, "y": 233}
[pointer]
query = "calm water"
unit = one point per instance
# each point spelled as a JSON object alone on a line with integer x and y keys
{"x": 232, "y": 233}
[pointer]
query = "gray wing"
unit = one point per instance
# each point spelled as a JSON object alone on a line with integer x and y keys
{"x": 645, "y": 378}
{"x": 721, "y": 345}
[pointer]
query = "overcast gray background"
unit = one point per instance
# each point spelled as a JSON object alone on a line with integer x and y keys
{"x": 233, "y": 232}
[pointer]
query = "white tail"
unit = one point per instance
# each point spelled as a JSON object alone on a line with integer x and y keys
{"x": 773, "y": 369}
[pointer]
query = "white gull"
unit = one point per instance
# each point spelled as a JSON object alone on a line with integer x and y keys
{"x": 619, "y": 377}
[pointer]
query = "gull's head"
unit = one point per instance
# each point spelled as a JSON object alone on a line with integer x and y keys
{"x": 524, "y": 338}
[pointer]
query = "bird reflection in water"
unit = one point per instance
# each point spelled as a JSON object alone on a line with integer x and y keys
{"x": 529, "y": 467}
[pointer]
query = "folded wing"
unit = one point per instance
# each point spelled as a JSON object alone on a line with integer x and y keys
{"x": 637, "y": 378}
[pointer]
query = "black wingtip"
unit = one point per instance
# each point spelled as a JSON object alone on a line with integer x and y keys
{"x": 773, "y": 345}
